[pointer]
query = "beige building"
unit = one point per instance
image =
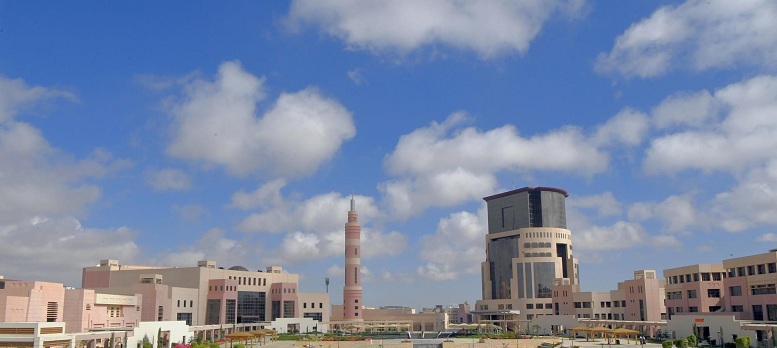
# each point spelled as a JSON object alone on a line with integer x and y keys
{"x": 528, "y": 249}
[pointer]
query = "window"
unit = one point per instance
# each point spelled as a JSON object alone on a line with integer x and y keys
{"x": 530, "y": 306}
{"x": 356, "y": 275}
{"x": 304, "y": 305}
{"x": 772, "y": 267}
{"x": 548, "y": 306}
{"x": 691, "y": 293}
{"x": 737, "y": 308}
{"x": 764, "y": 289}
{"x": 717, "y": 276}
{"x": 731, "y": 273}
{"x": 751, "y": 270}
{"x": 741, "y": 272}
{"x": 688, "y": 278}
{"x": 735, "y": 290}
{"x": 758, "y": 312}
{"x": 714, "y": 293}
{"x": 696, "y": 277}
{"x": 578, "y": 305}
{"x": 771, "y": 312}
{"x": 705, "y": 277}
{"x": 761, "y": 269}
{"x": 673, "y": 295}
{"x": 693, "y": 309}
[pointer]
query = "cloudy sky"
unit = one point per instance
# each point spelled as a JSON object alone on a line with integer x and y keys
{"x": 165, "y": 133}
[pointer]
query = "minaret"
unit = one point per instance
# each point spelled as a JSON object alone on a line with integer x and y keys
{"x": 352, "y": 292}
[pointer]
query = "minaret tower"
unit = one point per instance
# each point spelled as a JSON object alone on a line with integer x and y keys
{"x": 352, "y": 292}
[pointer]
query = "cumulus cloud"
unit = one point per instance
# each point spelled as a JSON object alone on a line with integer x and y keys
{"x": 169, "y": 179}
{"x": 456, "y": 248}
{"x": 66, "y": 245}
{"x": 677, "y": 213}
{"x": 314, "y": 226}
{"x": 214, "y": 245}
{"x": 445, "y": 164}
{"x": 16, "y": 96}
{"x": 605, "y": 204}
{"x": 620, "y": 235}
{"x": 743, "y": 136}
{"x": 488, "y": 28}
{"x": 216, "y": 122}
{"x": 191, "y": 212}
{"x": 697, "y": 34}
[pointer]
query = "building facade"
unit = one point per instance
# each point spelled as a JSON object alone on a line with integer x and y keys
{"x": 750, "y": 286}
{"x": 528, "y": 247}
{"x": 205, "y": 294}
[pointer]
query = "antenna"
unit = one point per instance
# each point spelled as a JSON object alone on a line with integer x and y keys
{"x": 353, "y": 203}
{"x": 326, "y": 281}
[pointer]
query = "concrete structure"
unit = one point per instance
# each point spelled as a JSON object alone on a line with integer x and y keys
{"x": 352, "y": 292}
{"x": 528, "y": 247}
{"x": 694, "y": 289}
{"x": 750, "y": 286}
{"x": 31, "y": 301}
{"x": 205, "y": 294}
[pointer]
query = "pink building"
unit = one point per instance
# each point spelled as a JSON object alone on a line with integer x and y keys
{"x": 35, "y": 301}
{"x": 636, "y": 299}
{"x": 31, "y": 301}
{"x": 750, "y": 286}
{"x": 694, "y": 289}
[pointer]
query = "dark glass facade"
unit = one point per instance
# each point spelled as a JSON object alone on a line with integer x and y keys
{"x": 187, "y": 317}
{"x": 288, "y": 309}
{"x": 502, "y": 272}
{"x": 251, "y": 306}
{"x": 212, "y": 312}
{"x": 231, "y": 311}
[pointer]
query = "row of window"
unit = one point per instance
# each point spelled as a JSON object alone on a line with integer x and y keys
{"x": 191, "y": 303}
{"x": 537, "y": 254}
{"x": 537, "y": 245}
{"x": 539, "y": 306}
{"x": 285, "y": 291}
{"x": 603, "y": 304}
{"x": 694, "y": 277}
{"x": 221, "y": 288}
{"x": 312, "y": 305}
{"x": 546, "y": 235}
{"x": 761, "y": 289}
{"x": 752, "y": 270}
{"x": 250, "y": 281}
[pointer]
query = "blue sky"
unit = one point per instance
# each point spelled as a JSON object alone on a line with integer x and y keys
{"x": 166, "y": 133}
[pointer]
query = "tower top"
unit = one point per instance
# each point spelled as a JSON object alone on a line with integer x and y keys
{"x": 353, "y": 203}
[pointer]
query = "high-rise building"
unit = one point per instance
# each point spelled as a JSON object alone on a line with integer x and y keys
{"x": 352, "y": 292}
{"x": 528, "y": 248}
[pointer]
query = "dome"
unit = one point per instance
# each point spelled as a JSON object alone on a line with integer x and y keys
{"x": 238, "y": 268}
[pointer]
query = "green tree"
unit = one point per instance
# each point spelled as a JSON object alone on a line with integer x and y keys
{"x": 681, "y": 343}
{"x": 667, "y": 344}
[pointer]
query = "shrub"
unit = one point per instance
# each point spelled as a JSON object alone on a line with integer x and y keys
{"x": 743, "y": 342}
{"x": 213, "y": 345}
{"x": 239, "y": 345}
{"x": 692, "y": 340}
{"x": 681, "y": 343}
{"x": 667, "y": 344}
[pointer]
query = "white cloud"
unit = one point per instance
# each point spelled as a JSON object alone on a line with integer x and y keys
{"x": 488, "y": 28}
{"x": 677, "y": 213}
{"x": 698, "y": 34}
{"x": 56, "y": 249}
{"x": 751, "y": 202}
{"x": 266, "y": 195}
{"x": 16, "y": 96}
{"x": 456, "y": 248}
{"x": 443, "y": 165}
{"x": 745, "y": 136}
{"x": 217, "y": 123}
{"x": 621, "y": 235}
{"x": 665, "y": 241}
{"x": 212, "y": 245}
{"x": 190, "y": 212}
{"x": 169, "y": 179}
{"x": 314, "y": 227}
{"x": 694, "y": 110}
{"x": 44, "y": 180}
{"x": 357, "y": 76}
{"x": 628, "y": 127}
{"x": 605, "y": 204}
{"x": 767, "y": 237}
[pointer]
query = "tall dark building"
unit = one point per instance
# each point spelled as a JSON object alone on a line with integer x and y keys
{"x": 528, "y": 248}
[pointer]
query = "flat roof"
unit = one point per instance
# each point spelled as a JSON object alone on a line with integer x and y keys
{"x": 527, "y": 189}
